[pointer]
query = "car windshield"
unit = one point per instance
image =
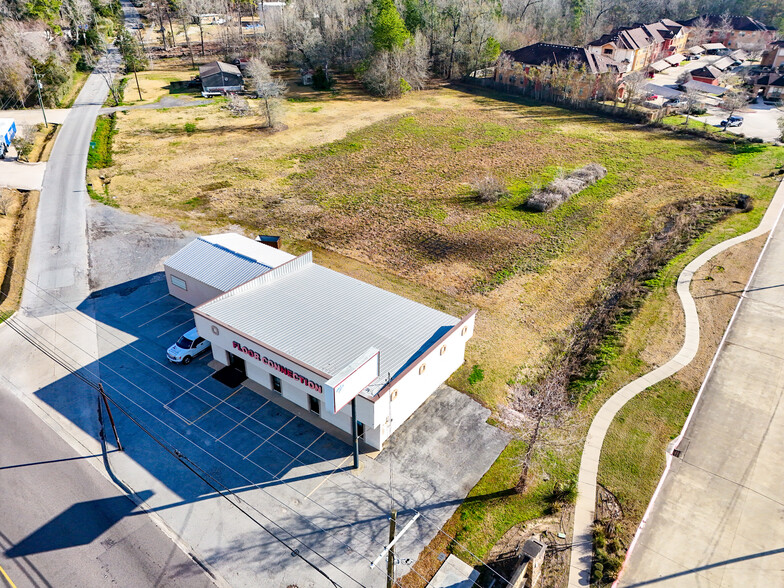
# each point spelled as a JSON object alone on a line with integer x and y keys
{"x": 184, "y": 343}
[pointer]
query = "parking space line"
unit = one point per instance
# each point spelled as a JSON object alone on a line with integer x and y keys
{"x": 340, "y": 465}
{"x": 170, "y": 330}
{"x": 299, "y": 455}
{"x": 160, "y": 315}
{"x": 197, "y": 384}
{"x": 270, "y": 437}
{"x": 174, "y": 412}
{"x": 143, "y": 305}
{"x": 217, "y": 405}
{"x": 247, "y": 416}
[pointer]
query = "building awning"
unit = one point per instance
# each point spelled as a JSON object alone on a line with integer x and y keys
{"x": 705, "y": 88}
{"x": 675, "y": 59}
{"x": 714, "y": 46}
{"x": 660, "y": 65}
{"x": 696, "y": 50}
{"x": 723, "y": 63}
{"x": 663, "y": 91}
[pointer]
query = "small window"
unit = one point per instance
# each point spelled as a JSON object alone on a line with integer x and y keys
{"x": 276, "y": 385}
{"x": 512, "y": 79}
{"x": 443, "y": 350}
{"x": 422, "y": 369}
{"x": 360, "y": 430}
{"x": 179, "y": 282}
{"x": 463, "y": 331}
{"x": 314, "y": 404}
{"x": 500, "y": 78}
{"x": 608, "y": 51}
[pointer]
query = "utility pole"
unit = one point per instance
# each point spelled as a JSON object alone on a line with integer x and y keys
{"x": 355, "y": 432}
{"x": 40, "y": 100}
{"x": 111, "y": 418}
{"x": 391, "y": 552}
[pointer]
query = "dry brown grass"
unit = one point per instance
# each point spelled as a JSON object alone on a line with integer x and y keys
{"x": 16, "y": 234}
{"x": 386, "y": 185}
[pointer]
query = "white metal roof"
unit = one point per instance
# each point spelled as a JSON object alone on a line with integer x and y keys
{"x": 674, "y": 59}
{"x": 696, "y": 50}
{"x": 714, "y": 46}
{"x": 325, "y": 319}
{"x": 226, "y": 261}
{"x": 660, "y": 65}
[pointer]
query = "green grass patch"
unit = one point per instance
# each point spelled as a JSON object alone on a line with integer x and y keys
{"x": 103, "y": 198}
{"x": 632, "y": 459}
{"x": 100, "y": 155}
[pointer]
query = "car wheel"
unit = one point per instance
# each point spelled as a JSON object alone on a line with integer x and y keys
{"x": 187, "y": 359}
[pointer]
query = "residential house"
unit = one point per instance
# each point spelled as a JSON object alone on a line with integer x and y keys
{"x": 523, "y": 66}
{"x": 774, "y": 57}
{"x": 634, "y": 48}
{"x": 674, "y": 34}
{"x": 218, "y": 78}
{"x": 736, "y": 32}
{"x": 707, "y": 75}
{"x": 771, "y": 86}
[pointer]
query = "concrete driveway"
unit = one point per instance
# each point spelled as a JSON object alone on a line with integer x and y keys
{"x": 21, "y": 175}
{"x": 34, "y": 116}
{"x": 759, "y": 120}
{"x": 718, "y": 517}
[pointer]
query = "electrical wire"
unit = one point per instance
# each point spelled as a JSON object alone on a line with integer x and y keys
{"x": 14, "y": 324}
{"x": 433, "y": 524}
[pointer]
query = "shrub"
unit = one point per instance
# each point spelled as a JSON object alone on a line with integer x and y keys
{"x": 489, "y": 188}
{"x": 237, "y": 106}
{"x": 190, "y": 127}
{"x": 477, "y": 375}
{"x": 564, "y": 186}
{"x": 321, "y": 81}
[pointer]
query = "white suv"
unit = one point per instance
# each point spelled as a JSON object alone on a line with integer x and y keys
{"x": 187, "y": 347}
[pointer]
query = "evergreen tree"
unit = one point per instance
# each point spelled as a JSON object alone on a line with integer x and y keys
{"x": 388, "y": 29}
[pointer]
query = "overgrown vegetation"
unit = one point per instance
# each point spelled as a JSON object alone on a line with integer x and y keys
{"x": 100, "y": 155}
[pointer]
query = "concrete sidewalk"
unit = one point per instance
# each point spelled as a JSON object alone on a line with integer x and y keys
{"x": 717, "y": 518}
{"x": 582, "y": 541}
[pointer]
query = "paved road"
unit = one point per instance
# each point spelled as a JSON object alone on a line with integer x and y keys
{"x": 582, "y": 542}
{"x": 58, "y": 258}
{"x": 64, "y": 524}
{"x": 718, "y": 517}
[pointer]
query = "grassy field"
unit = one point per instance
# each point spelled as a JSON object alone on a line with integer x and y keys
{"x": 382, "y": 191}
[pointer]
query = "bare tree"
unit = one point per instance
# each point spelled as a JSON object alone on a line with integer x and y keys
{"x": 699, "y": 32}
{"x": 733, "y": 101}
{"x": 725, "y": 29}
{"x": 269, "y": 89}
{"x": 692, "y": 98}
{"x": 634, "y": 84}
{"x": 534, "y": 410}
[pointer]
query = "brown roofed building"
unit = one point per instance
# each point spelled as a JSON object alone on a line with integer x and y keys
{"x": 774, "y": 56}
{"x": 633, "y": 47}
{"x": 707, "y": 75}
{"x": 736, "y": 32}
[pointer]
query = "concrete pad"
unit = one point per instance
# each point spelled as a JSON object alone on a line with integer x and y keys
{"x": 454, "y": 573}
{"x": 34, "y": 116}
{"x": 20, "y": 175}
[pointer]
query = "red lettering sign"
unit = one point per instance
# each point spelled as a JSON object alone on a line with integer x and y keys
{"x": 277, "y": 367}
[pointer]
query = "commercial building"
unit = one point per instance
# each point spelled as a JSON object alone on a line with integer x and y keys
{"x": 314, "y": 338}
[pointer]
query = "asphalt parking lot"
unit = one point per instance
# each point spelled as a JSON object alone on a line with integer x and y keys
{"x": 239, "y": 449}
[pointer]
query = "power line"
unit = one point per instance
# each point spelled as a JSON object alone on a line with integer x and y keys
{"x": 13, "y": 324}
{"x": 197, "y": 386}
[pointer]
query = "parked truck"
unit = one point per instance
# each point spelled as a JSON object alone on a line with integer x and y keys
{"x": 7, "y": 134}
